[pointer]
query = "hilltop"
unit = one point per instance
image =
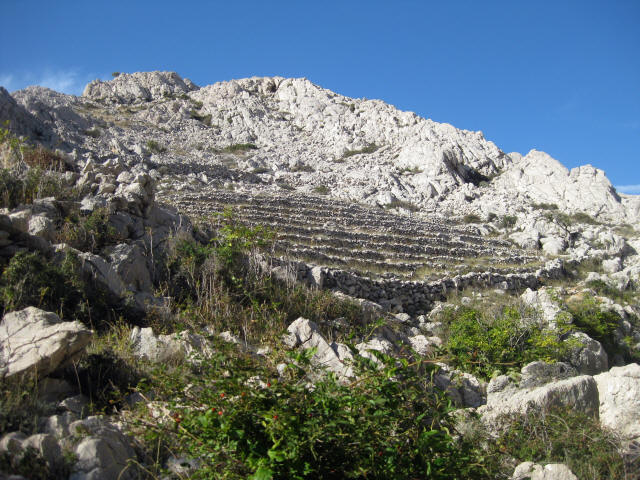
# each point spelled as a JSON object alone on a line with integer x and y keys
{"x": 265, "y": 278}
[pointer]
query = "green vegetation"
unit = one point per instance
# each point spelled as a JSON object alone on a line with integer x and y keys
{"x": 471, "y": 218}
{"x": 600, "y": 325}
{"x": 206, "y": 119}
{"x": 88, "y": 232}
{"x": 240, "y": 148}
{"x": 484, "y": 342}
{"x": 370, "y": 148}
{"x": 568, "y": 220}
{"x": 545, "y": 206}
{"x": 565, "y": 436}
{"x": 29, "y": 172}
{"x": 115, "y": 74}
{"x": 92, "y": 132}
{"x": 409, "y": 171}
{"x": 155, "y": 147}
{"x": 391, "y": 423}
{"x": 260, "y": 170}
{"x": 30, "y": 464}
{"x": 302, "y": 167}
{"x": 321, "y": 190}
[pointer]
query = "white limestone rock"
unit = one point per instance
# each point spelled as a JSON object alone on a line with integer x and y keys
{"x": 619, "y": 400}
{"x": 534, "y": 471}
{"x": 32, "y": 340}
{"x": 103, "y": 452}
{"x": 161, "y": 348}
{"x": 580, "y": 393}
{"x": 304, "y": 334}
{"x": 542, "y": 300}
{"x": 138, "y": 87}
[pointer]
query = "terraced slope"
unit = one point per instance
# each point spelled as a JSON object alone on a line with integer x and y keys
{"x": 371, "y": 242}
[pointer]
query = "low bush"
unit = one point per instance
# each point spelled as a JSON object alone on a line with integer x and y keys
{"x": 471, "y": 218}
{"x": 206, "y": 119}
{"x": 483, "y": 343}
{"x": 30, "y": 279}
{"x": 89, "y": 233}
{"x": 321, "y": 190}
{"x": 545, "y": 206}
{"x": 391, "y": 423}
{"x": 370, "y": 148}
{"x": 600, "y": 325}
{"x": 240, "y": 148}
{"x": 155, "y": 147}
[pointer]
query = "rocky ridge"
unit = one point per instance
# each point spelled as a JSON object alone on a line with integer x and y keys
{"x": 251, "y": 143}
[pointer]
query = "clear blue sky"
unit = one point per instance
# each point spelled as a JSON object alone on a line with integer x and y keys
{"x": 559, "y": 76}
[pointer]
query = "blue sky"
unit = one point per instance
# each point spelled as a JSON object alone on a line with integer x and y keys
{"x": 558, "y": 76}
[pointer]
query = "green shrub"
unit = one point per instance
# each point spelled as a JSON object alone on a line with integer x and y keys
{"x": 471, "y": 218}
{"x": 370, "y": 148}
{"x": 32, "y": 280}
{"x": 321, "y": 190}
{"x": 483, "y": 343}
{"x": 301, "y": 167}
{"x": 30, "y": 464}
{"x": 155, "y": 147}
{"x": 545, "y": 206}
{"x": 88, "y": 232}
{"x": 240, "y": 148}
{"x": 206, "y": 119}
{"x": 391, "y": 423}
{"x": 600, "y": 325}
{"x": 93, "y": 133}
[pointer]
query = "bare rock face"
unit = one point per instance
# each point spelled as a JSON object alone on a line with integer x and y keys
{"x": 33, "y": 340}
{"x": 548, "y": 181}
{"x": 21, "y": 122}
{"x": 139, "y": 87}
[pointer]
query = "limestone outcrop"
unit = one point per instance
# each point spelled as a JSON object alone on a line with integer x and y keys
{"x": 35, "y": 341}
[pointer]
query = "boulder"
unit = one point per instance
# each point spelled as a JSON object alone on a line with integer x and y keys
{"x": 129, "y": 262}
{"x": 544, "y": 302}
{"x": 163, "y": 348}
{"x": 304, "y": 334}
{"x": 588, "y": 356}
{"x": 103, "y": 452}
{"x": 534, "y": 471}
{"x": 619, "y": 395}
{"x": 580, "y": 393}
{"x": 32, "y": 340}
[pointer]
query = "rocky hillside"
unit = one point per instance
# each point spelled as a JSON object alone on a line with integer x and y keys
{"x": 264, "y": 279}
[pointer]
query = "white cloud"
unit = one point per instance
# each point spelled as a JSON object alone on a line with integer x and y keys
{"x": 66, "y": 81}
{"x": 633, "y": 189}
{"x": 61, "y": 81}
{"x": 6, "y": 81}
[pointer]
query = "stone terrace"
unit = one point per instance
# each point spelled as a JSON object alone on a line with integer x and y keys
{"x": 373, "y": 243}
